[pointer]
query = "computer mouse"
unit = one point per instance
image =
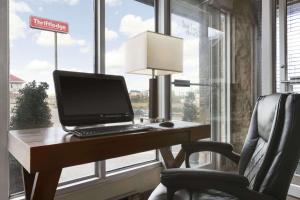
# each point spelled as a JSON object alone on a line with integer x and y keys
{"x": 167, "y": 124}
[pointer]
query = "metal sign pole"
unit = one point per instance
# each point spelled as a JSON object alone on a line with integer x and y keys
{"x": 55, "y": 50}
{"x": 50, "y": 25}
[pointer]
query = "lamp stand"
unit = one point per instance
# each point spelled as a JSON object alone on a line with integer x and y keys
{"x": 153, "y": 97}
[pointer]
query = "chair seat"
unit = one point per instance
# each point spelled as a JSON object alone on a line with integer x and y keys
{"x": 160, "y": 193}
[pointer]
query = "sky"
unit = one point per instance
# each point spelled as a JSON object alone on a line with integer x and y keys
{"x": 32, "y": 51}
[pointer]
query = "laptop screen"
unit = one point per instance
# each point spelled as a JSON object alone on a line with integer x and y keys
{"x": 91, "y": 98}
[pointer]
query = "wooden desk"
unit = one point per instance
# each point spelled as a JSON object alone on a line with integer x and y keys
{"x": 44, "y": 152}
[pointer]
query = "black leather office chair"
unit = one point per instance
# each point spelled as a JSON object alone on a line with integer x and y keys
{"x": 266, "y": 164}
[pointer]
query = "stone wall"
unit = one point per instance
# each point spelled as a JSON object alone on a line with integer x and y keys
{"x": 242, "y": 87}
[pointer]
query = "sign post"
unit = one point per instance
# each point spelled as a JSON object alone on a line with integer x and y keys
{"x": 50, "y": 25}
{"x": 55, "y": 50}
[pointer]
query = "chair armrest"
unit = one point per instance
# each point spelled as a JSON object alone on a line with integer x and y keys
{"x": 194, "y": 178}
{"x": 197, "y": 180}
{"x": 217, "y": 147}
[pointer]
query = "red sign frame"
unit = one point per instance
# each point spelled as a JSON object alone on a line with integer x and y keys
{"x": 48, "y": 24}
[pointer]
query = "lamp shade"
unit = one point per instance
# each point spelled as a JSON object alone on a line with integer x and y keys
{"x": 150, "y": 51}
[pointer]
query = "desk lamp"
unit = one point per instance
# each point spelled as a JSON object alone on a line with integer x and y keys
{"x": 154, "y": 54}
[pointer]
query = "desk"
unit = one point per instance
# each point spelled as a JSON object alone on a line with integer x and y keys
{"x": 44, "y": 152}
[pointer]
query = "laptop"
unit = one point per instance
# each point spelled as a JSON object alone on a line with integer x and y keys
{"x": 86, "y": 101}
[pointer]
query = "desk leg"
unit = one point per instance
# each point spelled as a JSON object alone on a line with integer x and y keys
{"x": 28, "y": 180}
{"x": 42, "y": 185}
{"x": 45, "y": 184}
{"x": 169, "y": 160}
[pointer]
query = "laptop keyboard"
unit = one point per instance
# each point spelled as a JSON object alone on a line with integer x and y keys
{"x": 108, "y": 130}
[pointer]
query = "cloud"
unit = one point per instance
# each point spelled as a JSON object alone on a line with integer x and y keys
{"x": 19, "y": 6}
{"x": 41, "y": 71}
{"x": 191, "y": 59}
{"x": 39, "y": 65}
{"x": 115, "y": 59}
{"x": 69, "y": 2}
{"x": 115, "y": 65}
{"x": 16, "y": 25}
{"x": 45, "y": 38}
{"x": 85, "y": 49}
{"x": 110, "y": 34}
{"x": 113, "y": 2}
{"x": 132, "y": 25}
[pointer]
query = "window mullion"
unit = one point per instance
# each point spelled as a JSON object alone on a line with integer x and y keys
{"x": 100, "y": 169}
{"x": 164, "y": 84}
{"x": 99, "y": 36}
{"x": 283, "y": 44}
{"x": 100, "y": 166}
{"x": 4, "y": 98}
{"x": 268, "y": 47}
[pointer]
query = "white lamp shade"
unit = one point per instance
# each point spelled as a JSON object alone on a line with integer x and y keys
{"x": 153, "y": 51}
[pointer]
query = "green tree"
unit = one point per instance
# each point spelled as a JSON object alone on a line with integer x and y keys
{"x": 32, "y": 109}
{"x": 190, "y": 110}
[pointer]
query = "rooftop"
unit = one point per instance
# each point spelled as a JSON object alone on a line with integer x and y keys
{"x": 15, "y": 79}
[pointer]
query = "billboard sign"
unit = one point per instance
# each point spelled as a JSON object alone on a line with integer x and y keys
{"x": 48, "y": 25}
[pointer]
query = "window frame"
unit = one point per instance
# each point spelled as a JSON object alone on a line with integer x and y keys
{"x": 162, "y": 14}
{"x": 285, "y": 84}
{"x": 215, "y": 161}
{"x": 100, "y": 174}
{"x": 100, "y": 68}
{"x": 4, "y": 98}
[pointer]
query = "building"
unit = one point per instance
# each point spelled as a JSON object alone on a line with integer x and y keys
{"x": 15, "y": 83}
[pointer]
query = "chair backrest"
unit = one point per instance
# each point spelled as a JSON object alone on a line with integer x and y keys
{"x": 286, "y": 157}
{"x": 263, "y": 139}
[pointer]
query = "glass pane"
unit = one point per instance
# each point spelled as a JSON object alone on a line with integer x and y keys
{"x": 293, "y": 42}
{"x": 293, "y": 52}
{"x": 125, "y": 19}
{"x": 203, "y": 31}
{"x": 32, "y": 96}
{"x": 293, "y": 46}
{"x": 133, "y": 159}
{"x": 77, "y": 172}
{"x": 277, "y": 52}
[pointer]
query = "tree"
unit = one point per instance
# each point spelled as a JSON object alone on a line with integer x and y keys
{"x": 190, "y": 110}
{"x": 32, "y": 109}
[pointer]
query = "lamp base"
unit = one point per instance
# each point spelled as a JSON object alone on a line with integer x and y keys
{"x": 153, "y": 98}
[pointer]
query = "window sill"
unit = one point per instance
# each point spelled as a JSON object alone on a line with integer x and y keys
{"x": 111, "y": 177}
{"x": 294, "y": 191}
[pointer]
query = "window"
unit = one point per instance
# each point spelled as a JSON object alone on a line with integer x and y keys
{"x": 123, "y": 20}
{"x": 293, "y": 45}
{"x": 293, "y": 48}
{"x": 32, "y": 59}
{"x": 203, "y": 29}
{"x": 288, "y": 30}
{"x": 32, "y": 62}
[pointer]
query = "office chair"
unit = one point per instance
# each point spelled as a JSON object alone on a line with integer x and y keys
{"x": 266, "y": 164}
